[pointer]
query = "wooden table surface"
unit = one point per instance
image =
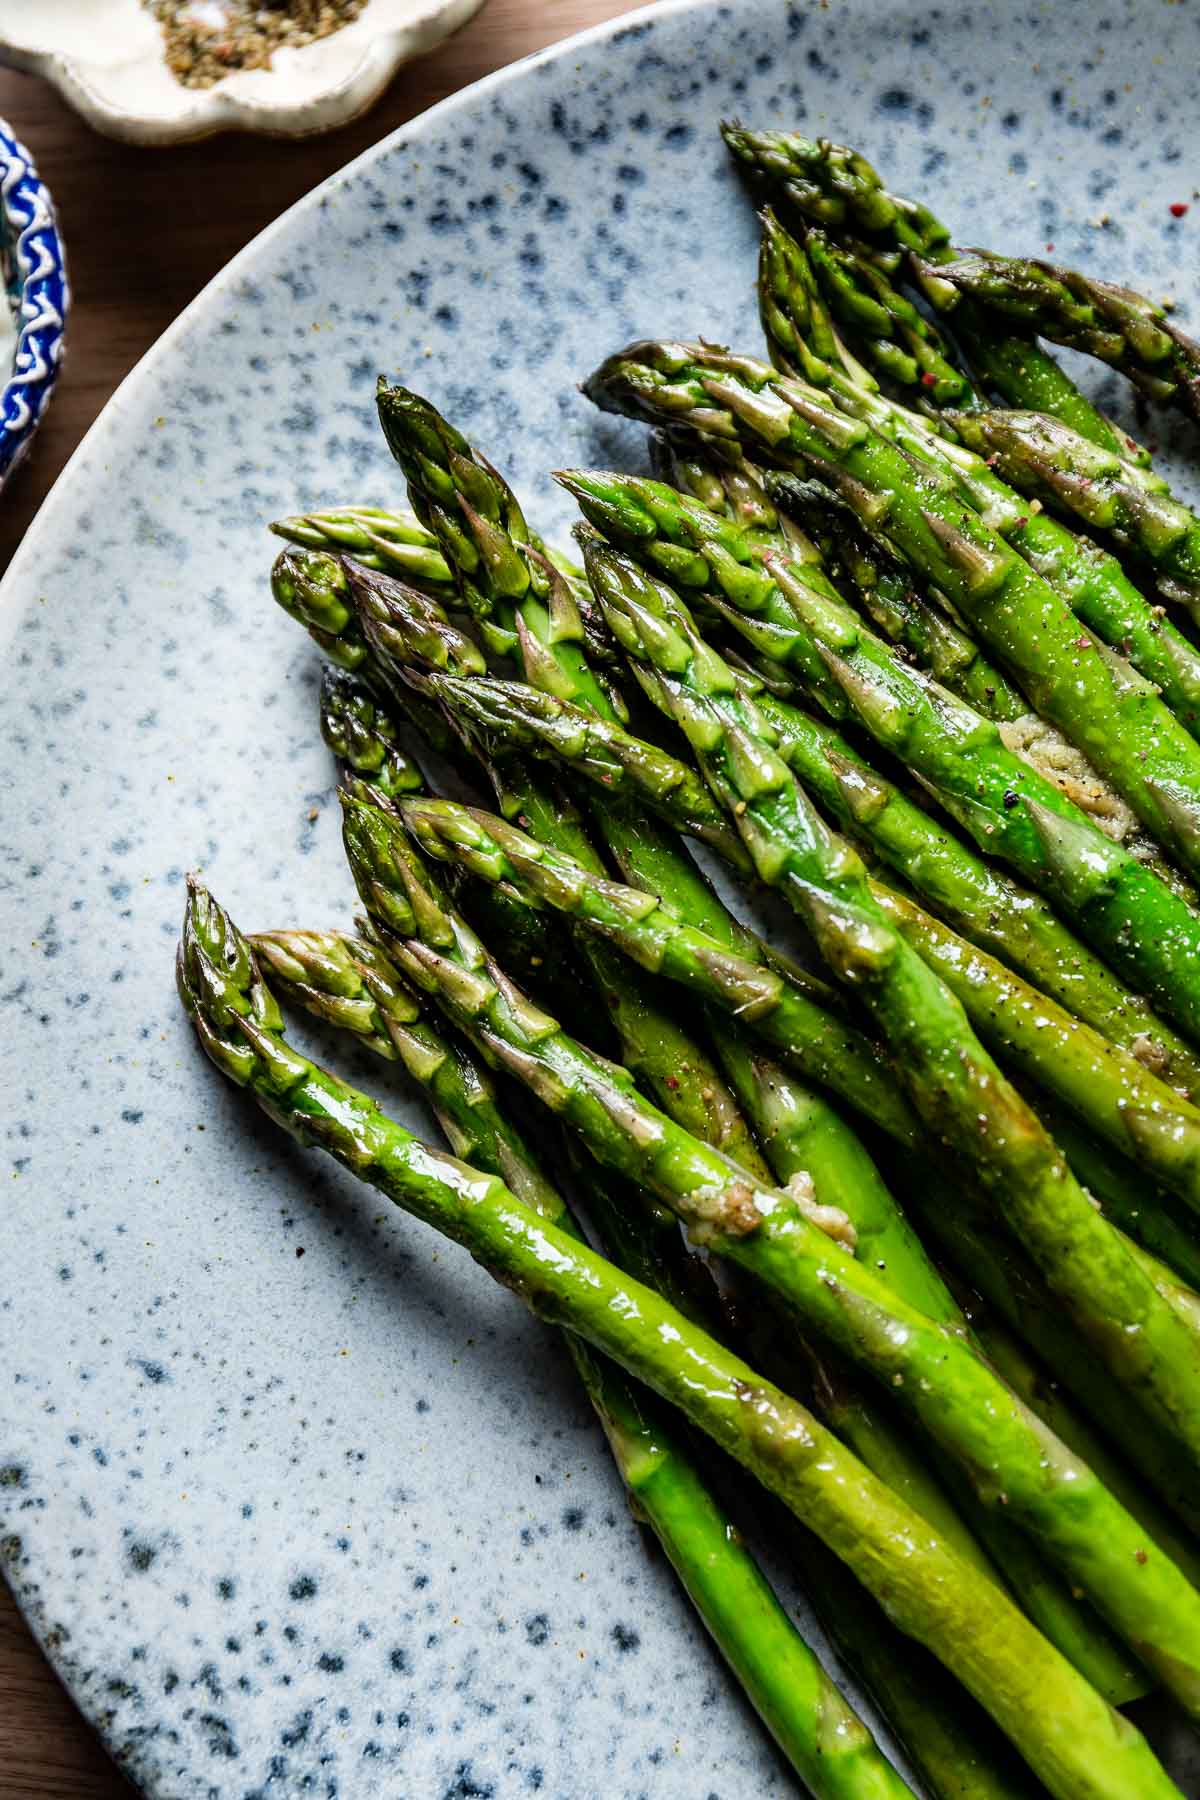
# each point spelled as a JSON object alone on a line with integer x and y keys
{"x": 201, "y": 202}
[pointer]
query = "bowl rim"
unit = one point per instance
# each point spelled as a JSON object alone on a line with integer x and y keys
{"x": 41, "y": 304}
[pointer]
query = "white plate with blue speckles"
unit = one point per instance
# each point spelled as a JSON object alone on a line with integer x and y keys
{"x": 339, "y": 1523}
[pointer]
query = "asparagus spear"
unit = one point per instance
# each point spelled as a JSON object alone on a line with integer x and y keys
{"x": 1007, "y": 805}
{"x": 834, "y": 187}
{"x": 953, "y": 1751}
{"x": 948, "y": 1743}
{"x": 398, "y": 626}
{"x": 1142, "y": 1211}
{"x": 313, "y": 588}
{"x": 498, "y": 717}
{"x": 1092, "y": 582}
{"x": 1106, "y": 1087}
{"x": 351, "y": 983}
{"x": 1046, "y": 1396}
{"x": 521, "y": 601}
{"x": 953, "y": 1082}
{"x": 730, "y": 486}
{"x": 803, "y": 1136}
{"x": 785, "y": 1240}
{"x": 1079, "y": 1747}
{"x": 363, "y": 735}
{"x": 1074, "y": 680}
{"x": 376, "y": 538}
{"x": 991, "y": 1263}
{"x": 977, "y": 898}
{"x": 1120, "y": 327}
{"x": 657, "y": 936}
{"x": 1112, "y": 494}
{"x": 797, "y": 1026}
{"x": 902, "y": 344}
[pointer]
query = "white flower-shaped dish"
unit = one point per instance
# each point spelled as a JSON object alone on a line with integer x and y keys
{"x": 106, "y": 57}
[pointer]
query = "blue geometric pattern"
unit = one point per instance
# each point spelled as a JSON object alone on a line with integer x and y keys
{"x": 36, "y": 278}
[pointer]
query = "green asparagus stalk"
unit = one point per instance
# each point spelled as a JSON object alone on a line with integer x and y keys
{"x": 823, "y": 1738}
{"x": 1127, "y": 505}
{"x": 1072, "y": 678}
{"x": 399, "y": 627}
{"x": 949, "y": 1744}
{"x": 363, "y": 735}
{"x": 1046, "y": 1397}
{"x": 1143, "y": 1212}
{"x": 654, "y": 935}
{"x": 1092, "y": 582}
{"x": 523, "y": 605}
{"x": 952, "y": 1081}
{"x": 623, "y": 765}
{"x": 835, "y": 188}
{"x": 952, "y": 1750}
{"x": 313, "y": 588}
{"x": 1107, "y": 1088}
{"x": 804, "y": 1137}
{"x": 800, "y": 1131}
{"x": 991, "y": 1263}
{"x": 1118, "y": 326}
{"x": 777, "y": 1002}
{"x": 1079, "y": 1747}
{"x": 376, "y": 538}
{"x": 1010, "y": 809}
{"x": 784, "y": 1239}
{"x": 337, "y": 979}
{"x": 352, "y": 984}
{"x": 798, "y": 1027}
{"x": 977, "y": 898}
{"x": 904, "y": 347}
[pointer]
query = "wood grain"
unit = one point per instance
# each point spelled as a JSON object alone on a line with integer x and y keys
{"x": 145, "y": 229}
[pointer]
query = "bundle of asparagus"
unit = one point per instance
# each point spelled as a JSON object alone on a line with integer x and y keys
{"x": 945, "y": 1165}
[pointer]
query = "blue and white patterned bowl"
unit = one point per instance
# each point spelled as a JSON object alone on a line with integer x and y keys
{"x": 37, "y": 294}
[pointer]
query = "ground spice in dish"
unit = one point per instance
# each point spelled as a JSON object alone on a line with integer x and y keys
{"x": 208, "y": 39}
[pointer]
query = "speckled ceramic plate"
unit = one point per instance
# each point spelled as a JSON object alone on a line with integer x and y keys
{"x": 297, "y": 1500}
